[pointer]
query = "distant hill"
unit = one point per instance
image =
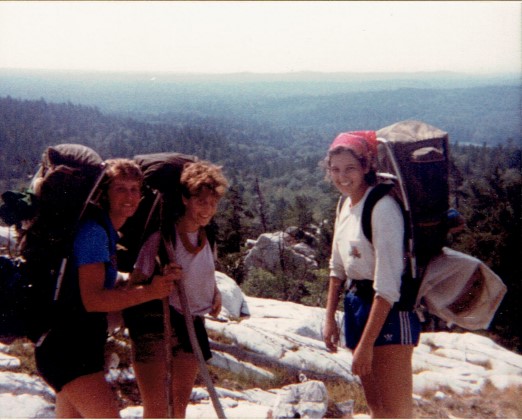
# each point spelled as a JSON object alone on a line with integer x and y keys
{"x": 473, "y": 109}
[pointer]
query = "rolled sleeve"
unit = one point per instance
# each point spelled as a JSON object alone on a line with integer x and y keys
{"x": 336, "y": 265}
{"x": 146, "y": 261}
{"x": 388, "y": 242}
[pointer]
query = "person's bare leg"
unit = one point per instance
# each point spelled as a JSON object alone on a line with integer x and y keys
{"x": 151, "y": 380}
{"x": 92, "y": 396}
{"x": 393, "y": 376}
{"x": 64, "y": 409}
{"x": 184, "y": 371}
{"x": 372, "y": 395}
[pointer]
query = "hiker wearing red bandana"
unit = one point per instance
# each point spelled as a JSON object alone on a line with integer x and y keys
{"x": 380, "y": 335}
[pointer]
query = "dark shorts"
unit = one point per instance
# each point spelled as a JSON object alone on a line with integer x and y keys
{"x": 149, "y": 344}
{"x": 400, "y": 327}
{"x": 67, "y": 354}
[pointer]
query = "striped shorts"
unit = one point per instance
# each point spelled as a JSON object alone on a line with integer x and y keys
{"x": 400, "y": 327}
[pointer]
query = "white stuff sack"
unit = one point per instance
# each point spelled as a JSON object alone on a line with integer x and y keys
{"x": 461, "y": 290}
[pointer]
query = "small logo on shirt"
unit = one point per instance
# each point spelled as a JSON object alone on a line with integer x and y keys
{"x": 355, "y": 252}
{"x": 388, "y": 337}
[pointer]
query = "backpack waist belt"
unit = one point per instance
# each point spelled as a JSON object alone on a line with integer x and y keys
{"x": 362, "y": 289}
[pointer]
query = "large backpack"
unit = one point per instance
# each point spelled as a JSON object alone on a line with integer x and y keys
{"x": 413, "y": 167}
{"x": 60, "y": 194}
{"x": 159, "y": 209}
{"x": 415, "y": 156}
{"x": 161, "y": 201}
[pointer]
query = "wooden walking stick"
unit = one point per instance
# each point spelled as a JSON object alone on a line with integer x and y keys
{"x": 167, "y": 326}
{"x": 167, "y": 342}
{"x": 193, "y": 338}
{"x": 167, "y": 333}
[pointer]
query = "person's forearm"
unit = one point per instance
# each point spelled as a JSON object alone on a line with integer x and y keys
{"x": 118, "y": 299}
{"x": 334, "y": 290}
{"x": 378, "y": 313}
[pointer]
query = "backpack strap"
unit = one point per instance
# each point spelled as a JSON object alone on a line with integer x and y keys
{"x": 210, "y": 231}
{"x": 340, "y": 205}
{"x": 409, "y": 285}
{"x": 378, "y": 192}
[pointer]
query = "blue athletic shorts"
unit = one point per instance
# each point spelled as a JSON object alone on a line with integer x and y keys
{"x": 400, "y": 327}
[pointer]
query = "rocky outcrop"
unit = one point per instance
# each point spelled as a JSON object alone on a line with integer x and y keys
{"x": 258, "y": 335}
{"x": 308, "y": 400}
{"x": 280, "y": 251}
{"x": 234, "y": 304}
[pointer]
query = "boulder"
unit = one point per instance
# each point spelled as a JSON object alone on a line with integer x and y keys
{"x": 234, "y": 303}
{"x": 272, "y": 250}
{"x": 307, "y": 400}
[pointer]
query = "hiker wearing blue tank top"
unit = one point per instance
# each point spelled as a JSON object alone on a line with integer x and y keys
{"x": 380, "y": 335}
{"x": 70, "y": 357}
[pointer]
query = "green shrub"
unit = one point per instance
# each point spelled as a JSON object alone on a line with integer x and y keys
{"x": 263, "y": 284}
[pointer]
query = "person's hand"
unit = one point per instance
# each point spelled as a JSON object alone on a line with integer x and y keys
{"x": 331, "y": 335}
{"x": 362, "y": 360}
{"x": 173, "y": 269}
{"x": 216, "y": 304}
{"x": 163, "y": 285}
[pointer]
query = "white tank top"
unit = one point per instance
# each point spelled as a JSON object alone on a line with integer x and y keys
{"x": 198, "y": 272}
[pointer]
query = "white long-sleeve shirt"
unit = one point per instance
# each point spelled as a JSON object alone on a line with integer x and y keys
{"x": 354, "y": 257}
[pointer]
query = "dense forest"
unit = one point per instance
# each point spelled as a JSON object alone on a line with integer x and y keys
{"x": 276, "y": 181}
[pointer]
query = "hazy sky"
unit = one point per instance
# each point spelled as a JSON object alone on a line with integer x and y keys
{"x": 228, "y": 37}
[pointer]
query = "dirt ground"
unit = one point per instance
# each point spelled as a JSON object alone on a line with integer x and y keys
{"x": 490, "y": 404}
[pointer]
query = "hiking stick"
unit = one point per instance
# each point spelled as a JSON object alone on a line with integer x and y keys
{"x": 167, "y": 326}
{"x": 194, "y": 340}
{"x": 167, "y": 332}
{"x": 167, "y": 343}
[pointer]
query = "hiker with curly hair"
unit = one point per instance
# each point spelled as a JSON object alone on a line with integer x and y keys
{"x": 70, "y": 357}
{"x": 380, "y": 334}
{"x": 186, "y": 234}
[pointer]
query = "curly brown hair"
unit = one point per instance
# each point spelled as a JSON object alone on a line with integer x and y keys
{"x": 197, "y": 176}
